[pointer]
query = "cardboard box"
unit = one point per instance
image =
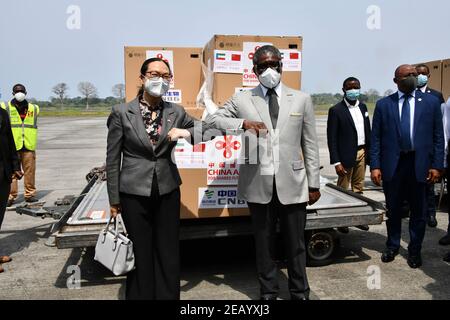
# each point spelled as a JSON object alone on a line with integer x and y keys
{"x": 193, "y": 180}
{"x": 186, "y": 68}
{"x": 446, "y": 79}
{"x": 226, "y": 47}
{"x": 436, "y": 74}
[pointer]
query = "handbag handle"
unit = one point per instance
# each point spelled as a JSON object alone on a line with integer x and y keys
{"x": 118, "y": 219}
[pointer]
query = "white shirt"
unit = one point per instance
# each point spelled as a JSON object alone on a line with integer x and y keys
{"x": 412, "y": 104}
{"x": 277, "y": 91}
{"x": 424, "y": 88}
{"x": 446, "y": 120}
{"x": 358, "y": 119}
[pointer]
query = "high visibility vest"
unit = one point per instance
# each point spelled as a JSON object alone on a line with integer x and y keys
{"x": 24, "y": 132}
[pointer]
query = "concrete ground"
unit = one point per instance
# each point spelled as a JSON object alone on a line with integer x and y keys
{"x": 213, "y": 269}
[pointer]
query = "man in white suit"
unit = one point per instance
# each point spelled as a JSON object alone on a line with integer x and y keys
{"x": 282, "y": 175}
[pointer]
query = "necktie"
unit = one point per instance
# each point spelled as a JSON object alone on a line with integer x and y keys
{"x": 406, "y": 125}
{"x": 274, "y": 107}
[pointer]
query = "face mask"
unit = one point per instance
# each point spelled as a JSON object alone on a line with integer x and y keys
{"x": 156, "y": 88}
{"x": 353, "y": 94}
{"x": 20, "y": 96}
{"x": 422, "y": 80}
{"x": 270, "y": 78}
{"x": 408, "y": 85}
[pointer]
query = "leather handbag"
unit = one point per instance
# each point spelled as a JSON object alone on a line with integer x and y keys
{"x": 114, "y": 250}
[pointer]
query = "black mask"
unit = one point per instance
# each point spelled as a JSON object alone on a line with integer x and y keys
{"x": 408, "y": 84}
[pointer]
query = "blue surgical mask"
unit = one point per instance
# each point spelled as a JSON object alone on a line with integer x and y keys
{"x": 422, "y": 80}
{"x": 353, "y": 94}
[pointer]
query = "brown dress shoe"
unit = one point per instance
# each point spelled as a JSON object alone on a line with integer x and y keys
{"x": 5, "y": 259}
{"x": 1, "y": 269}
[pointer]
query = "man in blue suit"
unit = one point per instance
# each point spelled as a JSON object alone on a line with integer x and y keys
{"x": 407, "y": 153}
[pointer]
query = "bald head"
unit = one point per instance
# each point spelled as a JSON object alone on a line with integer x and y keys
{"x": 404, "y": 71}
{"x": 406, "y": 78}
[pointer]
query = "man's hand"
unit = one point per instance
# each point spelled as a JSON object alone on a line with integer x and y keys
{"x": 376, "y": 177}
{"x": 340, "y": 170}
{"x": 17, "y": 175}
{"x": 314, "y": 196}
{"x": 115, "y": 209}
{"x": 254, "y": 125}
{"x": 433, "y": 176}
{"x": 175, "y": 134}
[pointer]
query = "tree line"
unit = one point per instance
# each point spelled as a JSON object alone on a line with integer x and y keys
{"x": 89, "y": 95}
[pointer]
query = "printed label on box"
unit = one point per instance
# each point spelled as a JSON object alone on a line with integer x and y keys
{"x": 166, "y": 55}
{"x": 222, "y": 156}
{"x": 219, "y": 198}
{"x": 228, "y": 61}
{"x": 188, "y": 156}
{"x": 292, "y": 60}
{"x": 249, "y": 79}
{"x": 173, "y": 96}
{"x": 97, "y": 215}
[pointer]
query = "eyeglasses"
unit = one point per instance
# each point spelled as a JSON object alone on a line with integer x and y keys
{"x": 153, "y": 75}
{"x": 269, "y": 64}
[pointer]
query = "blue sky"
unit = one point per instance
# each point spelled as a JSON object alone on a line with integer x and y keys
{"x": 39, "y": 50}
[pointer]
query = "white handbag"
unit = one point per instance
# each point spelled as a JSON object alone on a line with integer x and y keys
{"x": 114, "y": 250}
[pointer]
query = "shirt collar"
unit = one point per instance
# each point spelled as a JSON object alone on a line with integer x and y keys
{"x": 277, "y": 89}
{"x": 401, "y": 94}
{"x": 424, "y": 88}
{"x": 351, "y": 106}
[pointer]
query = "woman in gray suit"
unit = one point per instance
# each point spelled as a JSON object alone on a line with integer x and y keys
{"x": 143, "y": 181}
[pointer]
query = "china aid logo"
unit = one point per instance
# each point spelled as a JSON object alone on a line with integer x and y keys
{"x": 228, "y": 145}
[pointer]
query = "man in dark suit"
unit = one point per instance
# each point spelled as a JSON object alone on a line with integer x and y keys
{"x": 348, "y": 134}
{"x": 407, "y": 153}
{"x": 423, "y": 78}
{"x": 9, "y": 168}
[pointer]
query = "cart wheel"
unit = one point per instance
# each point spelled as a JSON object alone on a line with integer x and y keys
{"x": 320, "y": 247}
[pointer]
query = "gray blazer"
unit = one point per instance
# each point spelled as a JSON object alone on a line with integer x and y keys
{"x": 290, "y": 153}
{"x": 131, "y": 160}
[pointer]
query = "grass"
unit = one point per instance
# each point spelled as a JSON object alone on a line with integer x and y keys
{"x": 75, "y": 112}
{"x": 322, "y": 109}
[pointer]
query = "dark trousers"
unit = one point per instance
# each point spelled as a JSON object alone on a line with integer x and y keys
{"x": 448, "y": 192}
{"x": 153, "y": 226}
{"x": 292, "y": 226}
{"x": 431, "y": 200}
{"x": 404, "y": 186}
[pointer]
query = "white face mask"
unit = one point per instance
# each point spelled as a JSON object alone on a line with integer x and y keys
{"x": 270, "y": 78}
{"x": 20, "y": 96}
{"x": 156, "y": 88}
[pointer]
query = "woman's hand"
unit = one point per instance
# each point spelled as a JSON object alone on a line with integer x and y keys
{"x": 175, "y": 134}
{"x": 115, "y": 209}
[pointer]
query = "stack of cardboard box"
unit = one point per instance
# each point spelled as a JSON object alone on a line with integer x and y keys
{"x": 228, "y": 59}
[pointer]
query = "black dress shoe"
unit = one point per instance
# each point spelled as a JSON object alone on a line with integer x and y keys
{"x": 414, "y": 261}
{"x": 363, "y": 228}
{"x": 432, "y": 222}
{"x": 445, "y": 240}
{"x": 296, "y": 298}
{"x": 344, "y": 230}
{"x": 389, "y": 255}
{"x": 447, "y": 257}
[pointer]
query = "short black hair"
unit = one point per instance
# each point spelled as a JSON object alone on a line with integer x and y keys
{"x": 265, "y": 50}
{"x": 148, "y": 61}
{"x": 18, "y": 85}
{"x": 423, "y": 66}
{"x": 350, "y": 79}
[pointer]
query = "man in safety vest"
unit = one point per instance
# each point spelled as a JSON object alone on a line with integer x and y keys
{"x": 23, "y": 116}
